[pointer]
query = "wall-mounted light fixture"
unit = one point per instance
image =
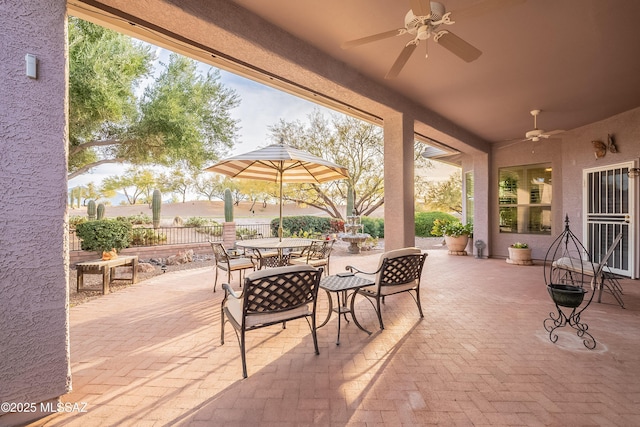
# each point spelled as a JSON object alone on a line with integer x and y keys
{"x": 32, "y": 65}
{"x": 633, "y": 172}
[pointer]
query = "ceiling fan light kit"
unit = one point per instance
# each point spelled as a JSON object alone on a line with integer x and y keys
{"x": 535, "y": 134}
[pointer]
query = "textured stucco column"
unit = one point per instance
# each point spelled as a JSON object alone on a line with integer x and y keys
{"x": 399, "y": 220}
{"x": 34, "y": 335}
{"x": 479, "y": 165}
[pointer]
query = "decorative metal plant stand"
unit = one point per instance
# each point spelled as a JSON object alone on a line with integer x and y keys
{"x": 566, "y": 270}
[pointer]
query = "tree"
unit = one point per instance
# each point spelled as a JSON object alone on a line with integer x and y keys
{"x": 136, "y": 184}
{"x": 349, "y": 142}
{"x": 182, "y": 118}
{"x": 445, "y": 196}
{"x": 176, "y": 182}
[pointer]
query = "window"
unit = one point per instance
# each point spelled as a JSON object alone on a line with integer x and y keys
{"x": 524, "y": 199}
{"x": 468, "y": 190}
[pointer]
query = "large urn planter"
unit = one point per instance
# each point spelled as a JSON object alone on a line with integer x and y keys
{"x": 457, "y": 245}
{"x": 519, "y": 256}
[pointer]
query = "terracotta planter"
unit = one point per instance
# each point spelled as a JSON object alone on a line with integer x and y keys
{"x": 457, "y": 245}
{"x": 520, "y": 256}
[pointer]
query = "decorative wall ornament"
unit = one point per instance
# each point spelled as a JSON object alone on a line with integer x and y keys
{"x": 599, "y": 149}
{"x": 611, "y": 144}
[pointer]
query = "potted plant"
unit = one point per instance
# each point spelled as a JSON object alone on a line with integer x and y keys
{"x": 520, "y": 254}
{"x": 456, "y": 235}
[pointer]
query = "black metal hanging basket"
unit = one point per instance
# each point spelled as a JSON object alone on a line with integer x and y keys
{"x": 568, "y": 271}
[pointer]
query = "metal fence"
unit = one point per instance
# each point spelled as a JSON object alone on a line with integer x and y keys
{"x": 148, "y": 236}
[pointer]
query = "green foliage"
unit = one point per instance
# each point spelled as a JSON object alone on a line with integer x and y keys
{"x": 424, "y": 222}
{"x": 136, "y": 184}
{"x": 76, "y": 219}
{"x": 104, "y": 235}
{"x": 520, "y": 245}
{"x": 100, "y": 211}
{"x": 246, "y": 232}
{"x": 451, "y": 228}
{"x": 228, "y": 205}
{"x": 350, "y": 199}
{"x": 147, "y": 237}
{"x": 445, "y": 196}
{"x": 373, "y": 226}
{"x": 182, "y": 118}
{"x": 156, "y": 205}
{"x": 210, "y": 230}
{"x": 308, "y": 223}
{"x": 198, "y": 221}
{"x": 136, "y": 219}
{"x": 104, "y": 70}
{"x": 91, "y": 210}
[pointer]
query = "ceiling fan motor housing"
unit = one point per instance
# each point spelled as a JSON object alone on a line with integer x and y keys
{"x": 413, "y": 23}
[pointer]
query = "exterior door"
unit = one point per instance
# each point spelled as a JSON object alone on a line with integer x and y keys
{"x": 609, "y": 202}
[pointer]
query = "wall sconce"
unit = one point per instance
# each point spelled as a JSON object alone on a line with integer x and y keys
{"x": 634, "y": 172}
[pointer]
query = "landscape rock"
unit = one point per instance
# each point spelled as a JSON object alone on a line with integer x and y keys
{"x": 145, "y": 267}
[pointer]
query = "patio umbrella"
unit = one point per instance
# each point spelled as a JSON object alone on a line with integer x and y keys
{"x": 280, "y": 163}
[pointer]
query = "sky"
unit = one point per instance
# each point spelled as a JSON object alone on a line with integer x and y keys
{"x": 260, "y": 107}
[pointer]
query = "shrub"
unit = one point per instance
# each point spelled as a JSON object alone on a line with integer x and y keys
{"x": 425, "y": 221}
{"x": 104, "y": 235}
{"x": 451, "y": 228}
{"x": 76, "y": 219}
{"x": 373, "y": 226}
{"x": 139, "y": 219}
{"x": 147, "y": 237}
{"x": 198, "y": 221}
{"x": 302, "y": 223}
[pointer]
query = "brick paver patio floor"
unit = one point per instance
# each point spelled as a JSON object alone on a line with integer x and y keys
{"x": 150, "y": 355}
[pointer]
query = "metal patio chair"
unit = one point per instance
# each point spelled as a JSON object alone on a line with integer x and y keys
{"x": 317, "y": 255}
{"x": 398, "y": 271}
{"x": 272, "y": 296}
{"x": 229, "y": 263}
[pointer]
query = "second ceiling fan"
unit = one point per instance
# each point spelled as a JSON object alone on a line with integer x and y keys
{"x": 424, "y": 20}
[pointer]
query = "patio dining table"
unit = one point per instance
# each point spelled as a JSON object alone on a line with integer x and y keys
{"x": 283, "y": 247}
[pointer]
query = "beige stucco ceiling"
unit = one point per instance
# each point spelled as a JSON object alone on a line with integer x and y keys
{"x": 577, "y": 60}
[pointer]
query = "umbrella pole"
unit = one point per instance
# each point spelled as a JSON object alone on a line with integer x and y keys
{"x": 280, "y": 226}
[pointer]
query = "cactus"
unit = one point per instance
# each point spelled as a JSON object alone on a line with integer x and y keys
{"x": 100, "y": 211}
{"x": 350, "y": 200}
{"x": 228, "y": 206}
{"x": 156, "y": 203}
{"x": 91, "y": 210}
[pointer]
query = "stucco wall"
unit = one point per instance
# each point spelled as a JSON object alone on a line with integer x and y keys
{"x": 578, "y": 154}
{"x": 34, "y": 349}
{"x": 569, "y": 154}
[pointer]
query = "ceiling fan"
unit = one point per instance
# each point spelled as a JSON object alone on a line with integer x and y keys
{"x": 535, "y": 134}
{"x": 424, "y": 20}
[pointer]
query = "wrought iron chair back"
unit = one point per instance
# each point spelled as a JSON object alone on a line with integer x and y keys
{"x": 399, "y": 271}
{"x": 318, "y": 254}
{"x": 269, "y": 297}
{"x": 224, "y": 261}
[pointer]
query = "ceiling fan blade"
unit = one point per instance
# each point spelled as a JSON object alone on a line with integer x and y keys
{"x": 401, "y": 60}
{"x": 373, "y": 38}
{"x": 421, "y": 7}
{"x": 553, "y": 132}
{"x": 482, "y": 8}
{"x": 457, "y": 46}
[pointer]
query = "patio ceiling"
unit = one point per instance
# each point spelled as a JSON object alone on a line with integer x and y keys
{"x": 573, "y": 59}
